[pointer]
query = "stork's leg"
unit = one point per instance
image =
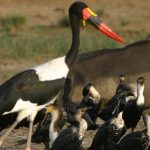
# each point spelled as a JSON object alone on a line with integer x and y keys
{"x": 31, "y": 119}
{"x": 2, "y": 138}
{"x": 20, "y": 117}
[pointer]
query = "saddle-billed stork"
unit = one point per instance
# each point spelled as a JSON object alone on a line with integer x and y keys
{"x": 33, "y": 89}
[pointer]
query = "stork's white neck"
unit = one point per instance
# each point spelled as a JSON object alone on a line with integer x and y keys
{"x": 140, "y": 96}
{"x": 53, "y": 133}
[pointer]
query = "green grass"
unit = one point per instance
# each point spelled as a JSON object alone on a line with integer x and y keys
{"x": 13, "y": 23}
{"x": 100, "y": 12}
{"x": 124, "y": 23}
{"x": 64, "y": 22}
{"x": 48, "y": 42}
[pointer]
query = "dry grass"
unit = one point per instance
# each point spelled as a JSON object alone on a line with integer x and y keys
{"x": 48, "y": 12}
{"x": 13, "y": 23}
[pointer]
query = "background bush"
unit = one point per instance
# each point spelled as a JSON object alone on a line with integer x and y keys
{"x": 13, "y": 23}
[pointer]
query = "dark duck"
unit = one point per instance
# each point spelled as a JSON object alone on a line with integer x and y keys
{"x": 109, "y": 134}
{"x": 125, "y": 88}
{"x": 71, "y": 137}
{"x": 139, "y": 140}
{"x": 134, "y": 108}
{"x": 31, "y": 90}
{"x": 124, "y": 92}
{"x": 91, "y": 98}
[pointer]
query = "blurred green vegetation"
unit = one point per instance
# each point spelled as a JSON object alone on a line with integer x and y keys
{"x": 64, "y": 21}
{"x": 13, "y": 23}
{"x": 101, "y": 12}
{"x": 49, "y": 42}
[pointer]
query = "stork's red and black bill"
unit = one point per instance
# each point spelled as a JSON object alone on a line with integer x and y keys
{"x": 91, "y": 17}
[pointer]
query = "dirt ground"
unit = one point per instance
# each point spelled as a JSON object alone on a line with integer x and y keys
{"x": 17, "y": 139}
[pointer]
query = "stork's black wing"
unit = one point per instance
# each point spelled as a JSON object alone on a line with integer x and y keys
{"x": 28, "y": 87}
{"x": 41, "y": 91}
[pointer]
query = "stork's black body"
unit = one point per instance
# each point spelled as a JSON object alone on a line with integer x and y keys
{"x": 28, "y": 87}
{"x": 25, "y": 86}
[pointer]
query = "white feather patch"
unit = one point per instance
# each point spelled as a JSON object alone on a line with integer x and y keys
{"x": 140, "y": 99}
{"x": 21, "y": 105}
{"x": 51, "y": 70}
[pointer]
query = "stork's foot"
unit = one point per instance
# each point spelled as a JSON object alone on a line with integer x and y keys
{"x": 1, "y": 142}
{"x": 28, "y": 148}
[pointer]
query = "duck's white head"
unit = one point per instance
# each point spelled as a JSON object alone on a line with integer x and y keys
{"x": 140, "y": 90}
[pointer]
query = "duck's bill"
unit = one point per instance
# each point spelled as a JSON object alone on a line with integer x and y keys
{"x": 50, "y": 108}
{"x": 92, "y": 18}
{"x": 85, "y": 108}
